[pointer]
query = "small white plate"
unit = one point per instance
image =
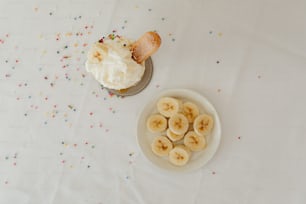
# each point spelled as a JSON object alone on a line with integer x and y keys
{"x": 198, "y": 159}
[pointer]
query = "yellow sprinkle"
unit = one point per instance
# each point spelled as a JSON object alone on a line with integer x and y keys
{"x": 220, "y": 34}
{"x": 89, "y": 33}
{"x": 69, "y": 34}
{"x": 76, "y": 44}
{"x": 65, "y": 145}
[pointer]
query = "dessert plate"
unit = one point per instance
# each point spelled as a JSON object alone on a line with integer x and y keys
{"x": 198, "y": 159}
{"x": 146, "y": 78}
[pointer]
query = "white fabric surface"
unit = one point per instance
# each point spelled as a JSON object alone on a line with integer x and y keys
{"x": 65, "y": 140}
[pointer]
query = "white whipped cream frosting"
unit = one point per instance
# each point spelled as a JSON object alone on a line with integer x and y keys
{"x": 111, "y": 64}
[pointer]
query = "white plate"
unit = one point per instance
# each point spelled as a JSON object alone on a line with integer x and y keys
{"x": 198, "y": 159}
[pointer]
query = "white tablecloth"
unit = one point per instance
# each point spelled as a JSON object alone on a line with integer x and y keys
{"x": 63, "y": 139}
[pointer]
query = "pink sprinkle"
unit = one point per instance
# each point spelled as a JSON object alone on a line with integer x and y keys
{"x": 86, "y": 143}
{"x": 14, "y": 163}
{"x": 91, "y": 126}
{"x": 239, "y": 138}
{"x": 7, "y": 35}
{"x": 18, "y": 98}
{"x": 6, "y": 182}
{"x": 46, "y": 98}
{"x": 82, "y": 157}
{"x": 213, "y": 173}
{"x": 106, "y": 130}
{"x": 17, "y": 61}
{"x": 63, "y": 161}
{"x": 74, "y": 145}
{"x": 7, "y": 75}
{"x": 90, "y": 113}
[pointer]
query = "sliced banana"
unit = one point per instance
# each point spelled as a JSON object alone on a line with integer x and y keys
{"x": 190, "y": 110}
{"x": 156, "y": 123}
{"x": 194, "y": 141}
{"x": 178, "y": 124}
{"x": 161, "y": 146}
{"x": 96, "y": 53}
{"x": 179, "y": 155}
{"x": 168, "y": 106}
{"x": 203, "y": 124}
{"x": 172, "y": 136}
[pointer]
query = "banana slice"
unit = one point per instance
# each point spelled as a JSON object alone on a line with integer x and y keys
{"x": 191, "y": 111}
{"x": 172, "y": 136}
{"x": 178, "y": 124}
{"x": 168, "y": 106}
{"x": 161, "y": 146}
{"x": 96, "y": 53}
{"x": 156, "y": 123}
{"x": 203, "y": 124}
{"x": 194, "y": 141}
{"x": 179, "y": 155}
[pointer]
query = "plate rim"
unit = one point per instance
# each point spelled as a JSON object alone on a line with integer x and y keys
{"x": 182, "y": 91}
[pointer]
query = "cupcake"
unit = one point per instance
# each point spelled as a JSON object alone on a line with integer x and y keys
{"x": 118, "y": 63}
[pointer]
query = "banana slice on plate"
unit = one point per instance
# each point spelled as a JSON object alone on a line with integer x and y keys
{"x": 168, "y": 106}
{"x": 156, "y": 123}
{"x": 194, "y": 141}
{"x": 203, "y": 124}
{"x": 190, "y": 110}
{"x": 161, "y": 146}
{"x": 178, "y": 124}
{"x": 179, "y": 155}
{"x": 172, "y": 136}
